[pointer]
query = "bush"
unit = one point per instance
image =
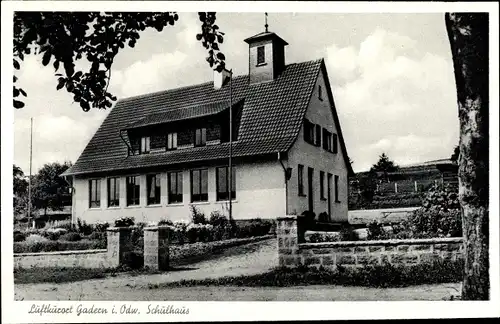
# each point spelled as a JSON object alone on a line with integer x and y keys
{"x": 83, "y": 228}
{"x": 197, "y": 217}
{"x": 51, "y": 246}
{"x": 309, "y": 219}
{"x": 376, "y": 231}
{"x": 101, "y": 227}
{"x": 218, "y": 219}
{"x": 19, "y": 237}
{"x": 98, "y": 236}
{"x": 35, "y": 238}
{"x": 347, "y": 233}
{"x": 65, "y": 224}
{"x": 52, "y": 235}
{"x": 442, "y": 198}
{"x": 164, "y": 222}
{"x": 255, "y": 227}
{"x": 124, "y": 222}
{"x": 70, "y": 237}
{"x": 426, "y": 223}
{"x": 323, "y": 217}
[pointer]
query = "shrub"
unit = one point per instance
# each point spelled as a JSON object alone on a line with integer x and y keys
{"x": 347, "y": 233}
{"x": 36, "y": 238}
{"x": 442, "y": 198}
{"x": 124, "y": 222}
{"x": 424, "y": 223}
{"x": 101, "y": 227}
{"x": 197, "y": 217}
{"x": 97, "y": 236}
{"x": 376, "y": 231}
{"x": 218, "y": 219}
{"x": 52, "y": 235}
{"x": 65, "y": 224}
{"x": 70, "y": 237}
{"x": 316, "y": 238}
{"x": 164, "y": 222}
{"x": 309, "y": 219}
{"x": 19, "y": 237}
{"x": 50, "y": 246}
{"x": 323, "y": 217}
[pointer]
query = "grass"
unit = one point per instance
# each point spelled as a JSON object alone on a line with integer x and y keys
{"x": 57, "y": 275}
{"x": 380, "y": 276}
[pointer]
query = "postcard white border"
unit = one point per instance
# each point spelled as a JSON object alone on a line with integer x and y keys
{"x": 17, "y": 311}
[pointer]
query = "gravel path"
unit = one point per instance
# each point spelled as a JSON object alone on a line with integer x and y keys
{"x": 259, "y": 258}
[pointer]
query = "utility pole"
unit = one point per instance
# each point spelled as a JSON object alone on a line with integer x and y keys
{"x": 230, "y": 145}
{"x": 29, "y": 180}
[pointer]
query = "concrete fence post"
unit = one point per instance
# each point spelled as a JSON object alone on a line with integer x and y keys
{"x": 156, "y": 247}
{"x": 118, "y": 244}
{"x": 416, "y": 186}
{"x": 395, "y": 187}
{"x": 288, "y": 232}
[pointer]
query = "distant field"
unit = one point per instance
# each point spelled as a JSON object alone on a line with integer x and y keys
{"x": 385, "y": 216}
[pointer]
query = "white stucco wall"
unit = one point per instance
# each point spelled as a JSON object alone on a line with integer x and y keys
{"x": 260, "y": 193}
{"x": 318, "y": 112}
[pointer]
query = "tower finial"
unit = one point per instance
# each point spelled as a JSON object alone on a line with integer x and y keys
{"x": 266, "y": 25}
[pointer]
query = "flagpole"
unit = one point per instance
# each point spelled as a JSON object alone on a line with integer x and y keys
{"x": 230, "y": 144}
{"x": 29, "y": 180}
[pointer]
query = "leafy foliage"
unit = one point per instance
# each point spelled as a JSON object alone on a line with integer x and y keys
{"x": 441, "y": 197}
{"x": 70, "y": 237}
{"x": 347, "y": 233}
{"x": 456, "y": 153}
{"x": 49, "y": 188}
{"x": 64, "y": 38}
{"x": 124, "y": 222}
{"x": 376, "y": 231}
{"x": 197, "y": 217}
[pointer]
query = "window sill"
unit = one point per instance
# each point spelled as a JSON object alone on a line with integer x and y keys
{"x": 153, "y": 205}
{"x": 95, "y": 208}
{"x": 323, "y": 199}
{"x": 133, "y": 206}
{"x": 114, "y": 207}
{"x": 226, "y": 201}
{"x": 175, "y": 204}
{"x": 262, "y": 64}
{"x": 338, "y": 202}
{"x": 302, "y": 195}
{"x": 199, "y": 203}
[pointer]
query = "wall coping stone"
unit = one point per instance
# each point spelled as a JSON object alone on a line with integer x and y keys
{"x": 288, "y": 217}
{"x": 155, "y": 228}
{"x": 381, "y": 242}
{"x": 120, "y": 229}
{"x": 78, "y": 252}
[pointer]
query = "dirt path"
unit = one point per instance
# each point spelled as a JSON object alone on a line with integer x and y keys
{"x": 259, "y": 258}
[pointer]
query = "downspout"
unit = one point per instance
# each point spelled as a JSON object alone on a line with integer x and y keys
{"x": 285, "y": 173}
{"x": 124, "y": 141}
{"x": 72, "y": 190}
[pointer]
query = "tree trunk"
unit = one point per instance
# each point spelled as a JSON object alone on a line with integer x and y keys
{"x": 468, "y": 34}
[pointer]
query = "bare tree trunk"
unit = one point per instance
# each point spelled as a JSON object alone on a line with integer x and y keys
{"x": 468, "y": 34}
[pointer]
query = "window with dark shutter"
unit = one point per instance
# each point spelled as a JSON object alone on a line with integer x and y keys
{"x": 300, "y": 177}
{"x": 174, "y": 187}
{"x": 308, "y": 131}
{"x": 317, "y": 137}
{"x": 261, "y": 55}
{"x": 322, "y": 184}
{"x": 320, "y": 93}
{"x": 336, "y": 188}
{"x": 335, "y": 147}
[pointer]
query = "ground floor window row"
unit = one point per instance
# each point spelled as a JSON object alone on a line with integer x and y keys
{"x": 324, "y": 195}
{"x": 198, "y": 188}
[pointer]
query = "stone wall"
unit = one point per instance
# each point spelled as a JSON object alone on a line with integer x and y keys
{"x": 84, "y": 259}
{"x": 361, "y": 253}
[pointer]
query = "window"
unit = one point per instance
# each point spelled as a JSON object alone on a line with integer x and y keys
{"x": 261, "y": 55}
{"x": 223, "y": 183}
{"x": 113, "y": 192}
{"x": 145, "y": 144}
{"x": 337, "y": 189}
{"x": 95, "y": 193}
{"x": 320, "y": 93}
{"x": 200, "y": 138}
{"x": 172, "y": 141}
{"x": 300, "y": 176}
{"x": 322, "y": 185}
{"x": 317, "y": 138}
{"x": 327, "y": 140}
{"x": 199, "y": 185}
{"x": 308, "y": 131}
{"x": 335, "y": 147}
{"x": 174, "y": 187}
{"x": 154, "y": 189}
{"x": 133, "y": 190}
{"x": 329, "y": 193}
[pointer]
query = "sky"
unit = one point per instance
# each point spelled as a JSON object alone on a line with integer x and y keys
{"x": 391, "y": 77}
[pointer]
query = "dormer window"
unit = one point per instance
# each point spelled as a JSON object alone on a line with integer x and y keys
{"x": 261, "y": 55}
{"x": 145, "y": 144}
{"x": 172, "y": 141}
{"x": 200, "y": 137}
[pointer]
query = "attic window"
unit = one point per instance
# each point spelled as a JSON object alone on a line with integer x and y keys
{"x": 261, "y": 55}
{"x": 200, "y": 137}
{"x": 320, "y": 93}
{"x": 145, "y": 144}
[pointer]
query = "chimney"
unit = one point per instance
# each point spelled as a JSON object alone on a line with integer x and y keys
{"x": 221, "y": 78}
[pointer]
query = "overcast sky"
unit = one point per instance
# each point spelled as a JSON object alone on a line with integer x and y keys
{"x": 391, "y": 77}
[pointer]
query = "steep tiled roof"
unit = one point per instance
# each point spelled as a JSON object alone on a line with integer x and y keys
{"x": 270, "y": 122}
